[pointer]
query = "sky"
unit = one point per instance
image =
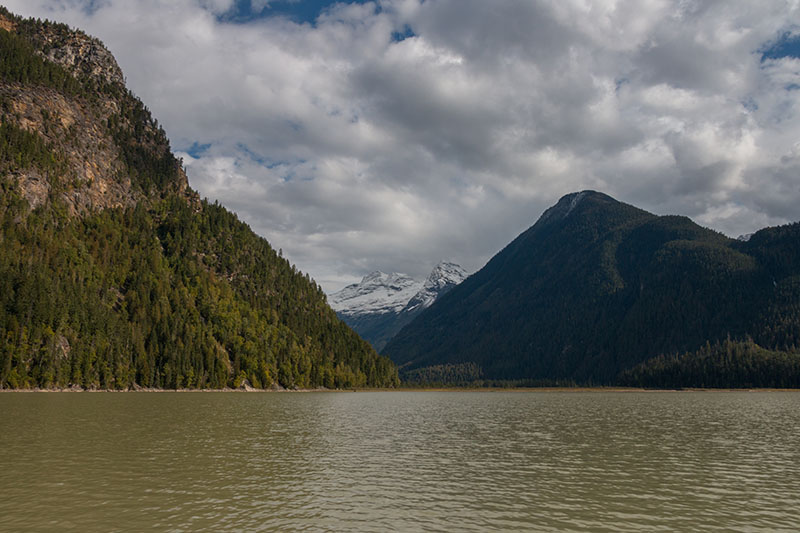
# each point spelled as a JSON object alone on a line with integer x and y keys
{"x": 393, "y": 134}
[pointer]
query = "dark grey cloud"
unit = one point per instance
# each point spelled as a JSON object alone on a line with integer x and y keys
{"x": 353, "y": 150}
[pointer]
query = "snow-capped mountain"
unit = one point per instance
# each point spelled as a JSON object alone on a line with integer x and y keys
{"x": 381, "y": 304}
{"x": 443, "y": 278}
{"x": 377, "y": 293}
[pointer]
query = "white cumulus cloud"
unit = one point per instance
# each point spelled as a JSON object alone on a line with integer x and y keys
{"x": 353, "y": 150}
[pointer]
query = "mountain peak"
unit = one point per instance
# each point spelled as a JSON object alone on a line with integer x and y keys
{"x": 62, "y": 82}
{"x": 442, "y": 278}
{"x": 378, "y": 292}
{"x": 445, "y": 267}
{"x": 597, "y": 286}
{"x": 74, "y": 50}
{"x": 569, "y": 202}
{"x": 381, "y": 304}
{"x": 374, "y": 276}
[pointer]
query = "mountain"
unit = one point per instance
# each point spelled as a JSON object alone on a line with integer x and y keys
{"x": 114, "y": 274}
{"x": 381, "y": 304}
{"x": 377, "y": 293}
{"x": 442, "y": 278}
{"x": 597, "y": 287}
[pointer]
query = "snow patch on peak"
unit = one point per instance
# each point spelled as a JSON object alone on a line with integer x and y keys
{"x": 444, "y": 277}
{"x": 445, "y": 273}
{"x": 382, "y": 304}
{"x": 576, "y": 199}
{"x": 565, "y": 206}
{"x": 381, "y": 293}
{"x": 373, "y": 276}
{"x": 377, "y": 293}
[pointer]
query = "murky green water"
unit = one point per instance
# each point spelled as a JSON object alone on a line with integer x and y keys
{"x": 404, "y": 461}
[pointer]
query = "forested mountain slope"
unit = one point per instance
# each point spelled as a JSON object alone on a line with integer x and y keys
{"x": 597, "y": 287}
{"x": 113, "y": 273}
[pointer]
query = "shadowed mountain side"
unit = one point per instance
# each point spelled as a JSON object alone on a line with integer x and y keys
{"x": 597, "y": 286}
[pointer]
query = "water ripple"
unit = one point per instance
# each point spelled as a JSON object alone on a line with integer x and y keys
{"x": 422, "y": 461}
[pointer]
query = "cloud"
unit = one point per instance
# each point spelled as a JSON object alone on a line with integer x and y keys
{"x": 352, "y": 149}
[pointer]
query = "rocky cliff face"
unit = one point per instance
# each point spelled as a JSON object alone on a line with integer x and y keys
{"x": 6, "y": 24}
{"x": 80, "y": 54}
{"x": 95, "y": 176}
{"x": 76, "y": 125}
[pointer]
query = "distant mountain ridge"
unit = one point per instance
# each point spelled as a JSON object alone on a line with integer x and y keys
{"x": 595, "y": 287}
{"x": 376, "y": 293}
{"x": 381, "y": 304}
{"x": 442, "y": 278}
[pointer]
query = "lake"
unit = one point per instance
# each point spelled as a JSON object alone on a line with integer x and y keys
{"x": 400, "y": 461}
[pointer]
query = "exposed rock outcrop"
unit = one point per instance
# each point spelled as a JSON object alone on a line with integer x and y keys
{"x": 87, "y": 131}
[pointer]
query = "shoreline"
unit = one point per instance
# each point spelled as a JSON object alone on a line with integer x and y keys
{"x": 595, "y": 390}
{"x": 143, "y": 389}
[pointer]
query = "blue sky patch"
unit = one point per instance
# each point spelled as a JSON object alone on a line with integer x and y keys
{"x": 787, "y": 45}
{"x": 299, "y": 11}
{"x": 403, "y": 35}
{"x": 196, "y": 149}
{"x": 267, "y": 162}
{"x": 750, "y": 104}
{"x": 91, "y": 7}
{"x": 256, "y": 157}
